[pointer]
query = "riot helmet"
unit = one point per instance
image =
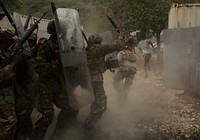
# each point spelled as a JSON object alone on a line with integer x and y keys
{"x": 51, "y": 28}
{"x": 95, "y": 39}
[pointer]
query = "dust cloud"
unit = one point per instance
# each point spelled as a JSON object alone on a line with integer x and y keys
{"x": 121, "y": 121}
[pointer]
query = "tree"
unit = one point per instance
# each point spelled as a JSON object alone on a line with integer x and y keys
{"x": 12, "y": 4}
{"x": 150, "y": 17}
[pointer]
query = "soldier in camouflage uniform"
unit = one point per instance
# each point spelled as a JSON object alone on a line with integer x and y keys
{"x": 8, "y": 118}
{"x": 26, "y": 81}
{"x": 51, "y": 88}
{"x": 127, "y": 70}
{"x": 96, "y": 54}
{"x": 24, "y": 85}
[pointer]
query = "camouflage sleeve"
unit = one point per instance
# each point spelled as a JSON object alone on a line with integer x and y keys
{"x": 6, "y": 73}
{"x": 41, "y": 55}
{"x": 41, "y": 59}
{"x": 44, "y": 52}
{"x": 106, "y": 49}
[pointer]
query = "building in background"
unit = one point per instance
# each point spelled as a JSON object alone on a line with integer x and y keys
{"x": 42, "y": 25}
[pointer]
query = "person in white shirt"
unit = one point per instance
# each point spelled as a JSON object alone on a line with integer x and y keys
{"x": 146, "y": 48}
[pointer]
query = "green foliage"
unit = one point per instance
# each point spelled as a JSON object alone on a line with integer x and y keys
{"x": 37, "y": 7}
{"x": 186, "y": 1}
{"x": 12, "y": 4}
{"x": 148, "y": 16}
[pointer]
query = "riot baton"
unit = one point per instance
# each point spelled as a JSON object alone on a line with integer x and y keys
{"x": 113, "y": 24}
{"x": 85, "y": 37}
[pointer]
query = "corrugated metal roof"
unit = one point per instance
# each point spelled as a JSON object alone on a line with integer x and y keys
{"x": 184, "y": 15}
{"x": 177, "y": 5}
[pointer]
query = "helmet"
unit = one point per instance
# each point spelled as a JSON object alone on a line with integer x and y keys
{"x": 51, "y": 28}
{"x": 95, "y": 39}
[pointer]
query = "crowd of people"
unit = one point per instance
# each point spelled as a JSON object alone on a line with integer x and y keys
{"x": 38, "y": 82}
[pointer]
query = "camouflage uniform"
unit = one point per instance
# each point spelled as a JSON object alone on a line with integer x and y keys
{"x": 8, "y": 118}
{"x": 51, "y": 88}
{"x": 127, "y": 70}
{"x": 23, "y": 90}
{"x": 96, "y": 53}
{"x": 25, "y": 94}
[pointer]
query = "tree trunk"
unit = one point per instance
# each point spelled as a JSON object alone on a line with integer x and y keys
{"x": 159, "y": 59}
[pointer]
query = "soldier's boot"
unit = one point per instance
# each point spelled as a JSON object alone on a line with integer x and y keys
{"x": 95, "y": 115}
{"x": 42, "y": 124}
{"x": 89, "y": 126}
{"x": 66, "y": 119}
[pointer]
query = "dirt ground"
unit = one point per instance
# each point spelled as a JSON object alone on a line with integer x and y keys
{"x": 151, "y": 112}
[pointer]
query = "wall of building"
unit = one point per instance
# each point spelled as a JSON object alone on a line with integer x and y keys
{"x": 184, "y": 15}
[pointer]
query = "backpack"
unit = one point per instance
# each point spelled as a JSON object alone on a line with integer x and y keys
{"x": 128, "y": 55}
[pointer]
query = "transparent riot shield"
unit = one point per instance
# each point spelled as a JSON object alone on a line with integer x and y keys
{"x": 72, "y": 52}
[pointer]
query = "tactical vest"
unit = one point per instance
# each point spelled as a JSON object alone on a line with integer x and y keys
{"x": 128, "y": 55}
{"x": 50, "y": 57}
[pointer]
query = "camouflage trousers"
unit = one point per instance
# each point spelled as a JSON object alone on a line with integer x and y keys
{"x": 24, "y": 107}
{"x": 127, "y": 74}
{"x": 50, "y": 93}
{"x": 98, "y": 106}
{"x": 8, "y": 118}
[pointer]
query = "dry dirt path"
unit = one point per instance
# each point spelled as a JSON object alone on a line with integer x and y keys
{"x": 152, "y": 111}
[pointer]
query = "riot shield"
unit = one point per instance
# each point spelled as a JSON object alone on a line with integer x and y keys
{"x": 72, "y": 52}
